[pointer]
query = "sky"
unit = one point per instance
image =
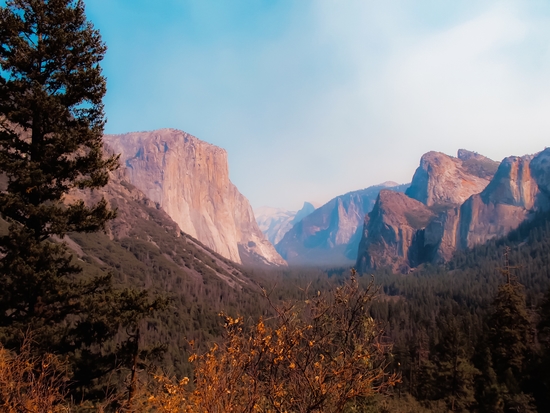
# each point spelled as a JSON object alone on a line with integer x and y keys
{"x": 316, "y": 98}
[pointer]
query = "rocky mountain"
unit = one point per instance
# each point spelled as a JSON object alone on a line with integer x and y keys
{"x": 276, "y": 222}
{"x": 189, "y": 179}
{"x": 445, "y": 181}
{"x": 389, "y": 230}
{"x": 513, "y": 194}
{"x": 466, "y": 208}
{"x": 330, "y": 235}
{"x": 144, "y": 248}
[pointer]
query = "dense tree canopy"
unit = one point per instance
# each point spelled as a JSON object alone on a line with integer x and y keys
{"x": 52, "y": 119}
{"x": 51, "y": 128}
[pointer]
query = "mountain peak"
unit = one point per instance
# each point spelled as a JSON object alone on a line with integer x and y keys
{"x": 307, "y": 209}
{"x": 445, "y": 180}
{"x": 389, "y": 184}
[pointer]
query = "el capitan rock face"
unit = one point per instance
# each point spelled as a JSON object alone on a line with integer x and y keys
{"x": 330, "y": 235}
{"x": 189, "y": 179}
{"x": 143, "y": 236}
{"x": 519, "y": 187}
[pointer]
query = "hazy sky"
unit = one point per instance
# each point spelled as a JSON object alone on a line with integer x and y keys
{"x": 315, "y": 98}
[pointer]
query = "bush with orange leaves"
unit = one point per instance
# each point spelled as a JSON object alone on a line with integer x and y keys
{"x": 316, "y": 356}
{"x": 31, "y": 384}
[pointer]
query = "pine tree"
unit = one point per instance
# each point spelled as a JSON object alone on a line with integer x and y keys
{"x": 510, "y": 331}
{"x": 511, "y": 340}
{"x": 541, "y": 373}
{"x": 51, "y": 127}
{"x": 489, "y": 391}
{"x": 455, "y": 376}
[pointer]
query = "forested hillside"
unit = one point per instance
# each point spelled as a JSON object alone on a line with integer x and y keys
{"x": 451, "y": 325}
{"x": 443, "y": 322}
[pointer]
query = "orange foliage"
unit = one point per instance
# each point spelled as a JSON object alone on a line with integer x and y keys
{"x": 31, "y": 384}
{"x": 315, "y": 356}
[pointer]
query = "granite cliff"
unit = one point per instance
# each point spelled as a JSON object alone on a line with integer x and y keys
{"x": 508, "y": 200}
{"x": 443, "y": 180}
{"x": 144, "y": 239}
{"x": 511, "y": 197}
{"x": 389, "y": 231}
{"x": 189, "y": 179}
{"x": 330, "y": 235}
{"x": 471, "y": 200}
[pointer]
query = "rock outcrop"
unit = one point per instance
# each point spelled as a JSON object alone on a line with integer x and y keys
{"x": 330, "y": 235}
{"x": 276, "y": 222}
{"x": 390, "y": 230}
{"x": 520, "y": 187}
{"x": 446, "y": 181}
{"x": 189, "y": 179}
{"x": 508, "y": 200}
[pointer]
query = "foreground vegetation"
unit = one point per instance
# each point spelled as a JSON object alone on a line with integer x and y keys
{"x": 455, "y": 338}
{"x": 324, "y": 354}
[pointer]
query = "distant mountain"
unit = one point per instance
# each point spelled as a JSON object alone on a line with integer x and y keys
{"x": 189, "y": 179}
{"x": 458, "y": 203}
{"x": 276, "y": 222}
{"x": 330, "y": 235}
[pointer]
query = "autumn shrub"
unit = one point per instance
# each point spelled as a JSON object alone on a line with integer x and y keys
{"x": 33, "y": 384}
{"x": 318, "y": 355}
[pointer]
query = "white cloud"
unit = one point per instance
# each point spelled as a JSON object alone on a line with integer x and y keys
{"x": 464, "y": 86}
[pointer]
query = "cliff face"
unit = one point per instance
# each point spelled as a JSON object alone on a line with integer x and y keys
{"x": 330, "y": 235}
{"x": 444, "y": 180}
{"x": 143, "y": 241}
{"x": 504, "y": 204}
{"x": 389, "y": 232}
{"x": 189, "y": 179}
{"x": 508, "y": 200}
{"x": 520, "y": 186}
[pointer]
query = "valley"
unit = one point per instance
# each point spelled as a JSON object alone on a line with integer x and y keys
{"x": 136, "y": 276}
{"x": 436, "y": 249}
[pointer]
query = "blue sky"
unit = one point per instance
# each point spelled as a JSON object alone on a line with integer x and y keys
{"x": 315, "y": 98}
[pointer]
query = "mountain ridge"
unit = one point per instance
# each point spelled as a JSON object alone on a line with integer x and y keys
{"x": 330, "y": 235}
{"x": 465, "y": 211}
